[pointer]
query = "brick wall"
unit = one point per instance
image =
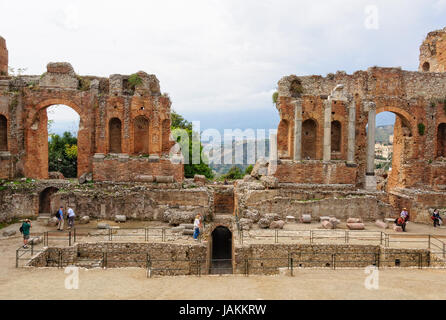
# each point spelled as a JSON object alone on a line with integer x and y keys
{"x": 3, "y": 57}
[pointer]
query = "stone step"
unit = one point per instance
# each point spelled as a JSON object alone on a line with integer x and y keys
{"x": 88, "y": 263}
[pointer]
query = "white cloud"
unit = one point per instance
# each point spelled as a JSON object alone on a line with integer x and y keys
{"x": 215, "y": 55}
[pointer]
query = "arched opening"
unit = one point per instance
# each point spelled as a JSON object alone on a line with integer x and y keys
{"x": 309, "y": 129}
{"x": 221, "y": 262}
{"x": 3, "y": 133}
{"x": 141, "y": 135}
{"x": 114, "y": 131}
{"x": 393, "y": 148}
{"x": 441, "y": 140}
{"x": 46, "y": 205}
{"x": 63, "y": 126}
{"x": 283, "y": 139}
{"x": 336, "y": 136}
{"x": 426, "y": 67}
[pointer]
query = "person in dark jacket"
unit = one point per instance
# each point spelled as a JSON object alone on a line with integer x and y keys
{"x": 437, "y": 218}
{"x": 25, "y": 229}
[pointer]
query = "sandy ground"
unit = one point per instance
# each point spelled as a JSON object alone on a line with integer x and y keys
{"x": 49, "y": 283}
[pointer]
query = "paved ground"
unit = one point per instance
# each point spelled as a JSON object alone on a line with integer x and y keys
{"x": 133, "y": 284}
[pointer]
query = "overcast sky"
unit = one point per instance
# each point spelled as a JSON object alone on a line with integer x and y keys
{"x": 218, "y": 60}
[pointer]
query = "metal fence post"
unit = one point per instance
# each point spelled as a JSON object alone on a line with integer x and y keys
{"x": 291, "y": 261}
{"x": 32, "y": 248}
{"x": 276, "y": 236}
{"x": 17, "y": 258}
{"x": 381, "y": 238}
{"x": 246, "y": 267}
{"x": 377, "y": 259}
{"x": 69, "y": 238}
{"x": 334, "y": 261}
{"x": 74, "y": 235}
{"x": 444, "y": 250}
{"x": 110, "y": 234}
{"x": 346, "y": 236}
{"x": 311, "y": 236}
{"x": 429, "y": 242}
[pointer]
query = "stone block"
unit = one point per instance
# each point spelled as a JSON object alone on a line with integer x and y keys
{"x": 200, "y": 180}
{"x": 52, "y": 222}
{"x": 252, "y": 214}
{"x": 354, "y": 220}
{"x": 264, "y": 223}
{"x": 397, "y": 228}
{"x": 306, "y": 218}
{"x": 260, "y": 168}
{"x": 327, "y": 225}
{"x": 178, "y": 229}
{"x": 334, "y": 222}
{"x": 84, "y": 220}
{"x": 189, "y": 226}
{"x": 324, "y": 218}
{"x": 120, "y": 218}
{"x": 245, "y": 224}
{"x": 187, "y": 232}
{"x": 277, "y": 224}
{"x": 356, "y": 226}
{"x": 290, "y": 219}
{"x": 103, "y": 225}
{"x": 270, "y": 182}
{"x": 164, "y": 179}
{"x": 381, "y": 224}
{"x": 9, "y": 233}
{"x": 144, "y": 178}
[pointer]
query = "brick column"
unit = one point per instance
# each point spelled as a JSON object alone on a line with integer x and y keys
{"x": 327, "y": 130}
{"x": 351, "y": 132}
{"x": 370, "y": 179}
{"x": 298, "y": 130}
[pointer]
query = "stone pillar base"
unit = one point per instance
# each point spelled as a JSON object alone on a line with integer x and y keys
{"x": 370, "y": 182}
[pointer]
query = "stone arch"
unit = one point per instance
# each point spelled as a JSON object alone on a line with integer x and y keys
{"x": 115, "y": 135}
{"x": 283, "y": 139}
{"x": 45, "y": 205}
{"x": 309, "y": 136}
{"x": 441, "y": 140}
{"x": 221, "y": 250}
{"x": 336, "y": 136}
{"x": 403, "y": 148}
{"x": 3, "y": 133}
{"x": 141, "y": 135}
{"x": 36, "y": 139}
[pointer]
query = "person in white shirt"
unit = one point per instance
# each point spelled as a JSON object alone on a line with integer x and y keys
{"x": 197, "y": 226}
{"x": 71, "y": 216}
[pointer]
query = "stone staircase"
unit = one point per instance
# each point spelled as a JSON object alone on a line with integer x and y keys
{"x": 43, "y": 218}
{"x": 88, "y": 263}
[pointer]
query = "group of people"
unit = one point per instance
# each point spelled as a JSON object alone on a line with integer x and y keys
{"x": 60, "y": 217}
{"x": 402, "y": 220}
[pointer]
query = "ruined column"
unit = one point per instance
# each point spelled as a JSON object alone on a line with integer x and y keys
{"x": 327, "y": 130}
{"x": 298, "y": 130}
{"x": 370, "y": 179}
{"x": 273, "y": 155}
{"x": 351, "y": 132}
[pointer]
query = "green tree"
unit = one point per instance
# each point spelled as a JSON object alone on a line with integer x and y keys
{"x": 249, "y": 169}
{"x": 62, "y": 154}
{"x": 190, "y": 170}
{"x": 235, "y": 173}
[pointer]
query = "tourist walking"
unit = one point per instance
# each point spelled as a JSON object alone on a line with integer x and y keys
{"x": 59, "y": 216}
{"x": 71, "y": 216}
{"x": 24, "y": 229}
{"x": 437, "y": 218}
{"x": 197, "y": 226}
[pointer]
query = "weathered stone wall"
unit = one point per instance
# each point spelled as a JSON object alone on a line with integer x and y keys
{"x": 223, "y": 199}
{"x": 267, "y": 259}
{"x": 104, "y": 201}
{"x": 416, "y": 98}
{"x": 433, "y": 52}
{"x": 3, "y": 58}
{"x": 24, "y": 100}
{"x": 419, "y": 204}
{"x": 311, "y": 171}
{"x": 314, "y": 200}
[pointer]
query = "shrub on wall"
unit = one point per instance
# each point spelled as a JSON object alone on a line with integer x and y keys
{"x": 421, "y": 129}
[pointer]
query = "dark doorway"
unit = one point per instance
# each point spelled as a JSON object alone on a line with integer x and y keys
{"x": 115, "y": 135}
{"x": 45, "y": 200}
{"x": 221, "y": 262}
{"x": 309, "y": 139}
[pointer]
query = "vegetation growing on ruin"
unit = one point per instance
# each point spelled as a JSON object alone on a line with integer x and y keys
{"x": 84, "y": 84}
{"x": 134, "y": 80}
{"x": 62, "y": 154}
{"x": 190, "y": 170}
{"x": 275, "y": 97}
{"x": 296, "y": 88}
{"x": 235, "y": 173}
{"x": 421, "y": 129}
